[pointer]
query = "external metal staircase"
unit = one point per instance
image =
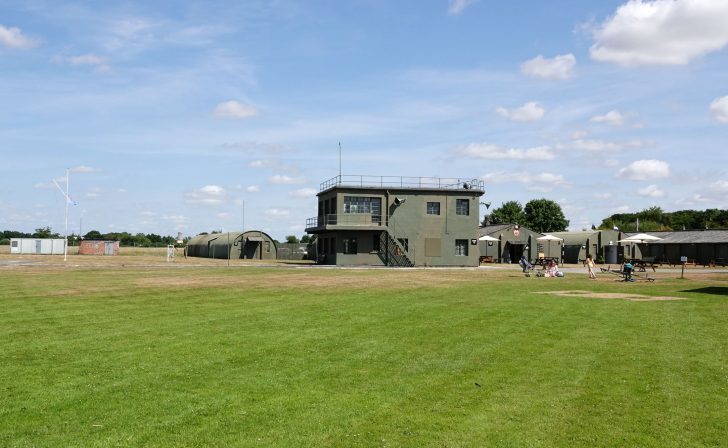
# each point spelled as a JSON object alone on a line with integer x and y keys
{"x": 392, "y": 252}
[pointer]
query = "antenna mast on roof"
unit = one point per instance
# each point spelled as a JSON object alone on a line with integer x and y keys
{"x": 339, "y": 161}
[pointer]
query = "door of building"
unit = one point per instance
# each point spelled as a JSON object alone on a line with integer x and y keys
{"x": 108, "y": 248}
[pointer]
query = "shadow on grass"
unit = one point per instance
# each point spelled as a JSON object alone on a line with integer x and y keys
{"x": 715, "y": 290}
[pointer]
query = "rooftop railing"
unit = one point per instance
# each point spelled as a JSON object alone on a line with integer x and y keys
{"x": 440, "y": 183}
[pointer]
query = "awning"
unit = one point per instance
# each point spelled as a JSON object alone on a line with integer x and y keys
{"x": 254, "y": 238}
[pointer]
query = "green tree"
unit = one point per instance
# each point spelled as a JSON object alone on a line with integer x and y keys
{"x": 305, "y": 239}
{"x": 291, "y": 239}
{"x": 544, "y": 215}
{"x": 93, "y": 235}
{"x": 45, "y": 232}
{"x": 510, "y": 212}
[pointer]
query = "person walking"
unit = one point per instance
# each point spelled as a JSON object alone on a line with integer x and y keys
{"x": 590, "y": 266}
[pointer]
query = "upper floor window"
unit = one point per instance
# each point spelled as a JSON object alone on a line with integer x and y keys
{"x": 433, "y": 208}
{"x": 462, "y": 207}
{"x": 362, "y": 204}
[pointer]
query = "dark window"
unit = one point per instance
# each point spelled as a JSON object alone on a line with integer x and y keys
{"x": 461, "y": 248}
{"x": 362, "y": 204}
{"x": 332, "y": 246}
{"x": 267, "y": 246}
{"x": 350, "y": 246}
{"x": 433, "y": 208}
{"x": 376, "y": 242}
{"x": 462, "y": 207}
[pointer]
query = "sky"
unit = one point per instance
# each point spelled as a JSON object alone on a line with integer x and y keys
{"x": 217, "y": 115}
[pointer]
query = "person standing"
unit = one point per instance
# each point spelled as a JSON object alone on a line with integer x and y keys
{"x": 590, "y": 266}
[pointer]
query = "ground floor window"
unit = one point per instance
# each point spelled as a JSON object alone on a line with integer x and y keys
{"x": 376, "y": 242}
{"x": 350, "y": 246}
{"x": 332, "y": 246}
{"x": 461, "y": 248}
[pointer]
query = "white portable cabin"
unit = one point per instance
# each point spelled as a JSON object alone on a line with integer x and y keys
{"x": 40, "y": 246}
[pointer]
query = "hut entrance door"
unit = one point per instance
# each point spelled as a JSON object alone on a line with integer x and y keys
{"x": 38, "y": 246}
{"x": 108, "y": 248}
{"x": 251, "y": 250}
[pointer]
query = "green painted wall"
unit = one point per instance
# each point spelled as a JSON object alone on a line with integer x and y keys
{"x": 431, "y": 239}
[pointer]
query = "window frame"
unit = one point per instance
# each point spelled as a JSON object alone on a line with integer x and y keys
{"x": 459, "y": 210}
{"x": 460, "y": 245}
{"x": 431, "y": 211}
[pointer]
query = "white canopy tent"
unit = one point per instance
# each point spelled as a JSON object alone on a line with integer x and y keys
{"x": 550, "y": 238}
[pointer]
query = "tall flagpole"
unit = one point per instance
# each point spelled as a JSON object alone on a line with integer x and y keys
{"x": 339, "y": 162}
{"x": 65, "y": 241}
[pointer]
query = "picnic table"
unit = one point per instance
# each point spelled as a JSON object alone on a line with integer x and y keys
{"x": 544, "y": 261}
{"x": 641, "y": 265}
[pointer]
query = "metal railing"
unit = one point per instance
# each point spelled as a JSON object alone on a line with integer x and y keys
{"x": 346, "y": 219}
{"x": 440, "y": 183}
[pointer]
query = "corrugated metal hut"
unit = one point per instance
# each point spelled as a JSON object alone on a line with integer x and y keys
{"x": 39, "y": 246}
{"x": 250, "y": 245}
{"x": 98, "y": 247}
{"x": 576, "y": 245}
{"x": 513, "y": 242}
{"x": 699, "y": 246}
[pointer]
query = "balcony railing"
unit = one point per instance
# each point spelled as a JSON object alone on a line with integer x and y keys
{"x": 440, "y": 183}
{"x": 348, "y": 219}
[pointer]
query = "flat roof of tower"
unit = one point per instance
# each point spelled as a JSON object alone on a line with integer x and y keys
{"x": 400, "y": 182}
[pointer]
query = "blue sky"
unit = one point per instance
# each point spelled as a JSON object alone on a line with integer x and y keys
{"x": 177, "y": 116}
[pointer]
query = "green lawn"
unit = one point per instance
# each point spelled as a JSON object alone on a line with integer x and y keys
{"x": 317, "y": 357}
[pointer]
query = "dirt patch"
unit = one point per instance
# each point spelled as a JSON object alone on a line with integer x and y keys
{"x": 311, "y": 279}
{"x": 611, "y": 295}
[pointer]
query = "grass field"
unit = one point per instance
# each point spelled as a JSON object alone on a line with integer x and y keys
{"x": 185, "y": 355}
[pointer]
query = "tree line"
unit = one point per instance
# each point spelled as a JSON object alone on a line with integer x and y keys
{"x": 543, "y": 216}
{"x": 124, "y": 238}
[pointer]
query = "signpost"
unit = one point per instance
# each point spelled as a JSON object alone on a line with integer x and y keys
{"x": 683, "y": 260}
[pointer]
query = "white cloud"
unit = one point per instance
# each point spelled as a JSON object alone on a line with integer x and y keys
{"x": 255, "y": 147}
{"x": 497, "y": 152}
{"x": 620, "y": 209}
{"x": 82, "y": 169}
{"x": 85, "y": 59}
{"x": 94, "y": 192}
{"x": 719, "y": 109}
{"x": 560, "y": 67}
{"x": 252, "y": 188}
{"x": 661, "y": 32}
{"x": 281, "y": 179}
{"x": 576, "y": 135}
{"x": 645, "y": 170}
{"x": 265, "y": 164}
{"x": 235, "y": 109}
{"x": 546, "y": 180}
{"x": 457, "y": 6}
{"x": 277, "y": 213}
{"x": 652, "y": 191}
{"x": 303, "y": 193}
{"x": 590, "y": 145}
{"x": 207, "y": 195}
{"x": 613, "y": 118}
{"x": 720, "y": 186}
{"x": 531, "y": 111}
{"x": 13, "y": 38}
{"x": 602, "y": 196}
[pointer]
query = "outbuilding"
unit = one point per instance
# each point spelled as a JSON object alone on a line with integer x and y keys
{"x": 38, "y": 246}
{"x": 98, "y": 247}
{"x": 704, "y": 247}
{"x": 600, "y": 244}
{"x": 249, "y": 245}
{"x": 513, "y": 241}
